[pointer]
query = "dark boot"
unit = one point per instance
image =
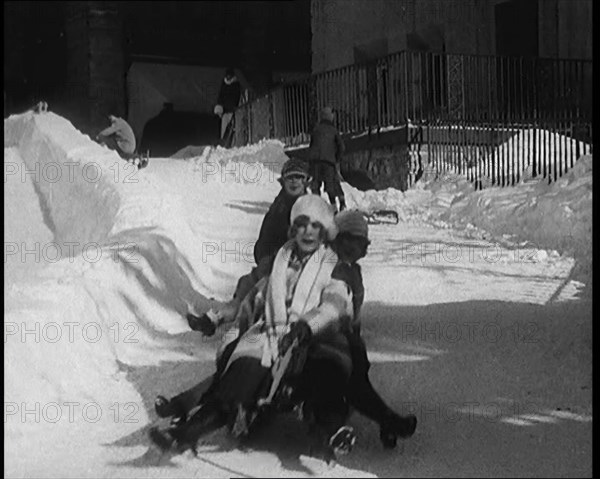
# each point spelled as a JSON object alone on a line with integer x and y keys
{"x": 207, "y": 419}
{"x": 166, "y": 408}
{"x": 185, "y": 435}
{"x": 395, "y": 426}
{"x": 205, "y": 324}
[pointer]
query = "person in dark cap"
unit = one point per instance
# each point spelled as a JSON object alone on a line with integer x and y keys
{"x": 325, "y": 153}
{"x": 272, "y": 236}
{"x": 229, "y": 99}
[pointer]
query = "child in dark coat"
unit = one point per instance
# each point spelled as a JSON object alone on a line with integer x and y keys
{"x": 325, "y": 154}
{"x": 351, "y": 245}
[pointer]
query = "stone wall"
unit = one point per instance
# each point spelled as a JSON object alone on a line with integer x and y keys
{"x": 341, "y": 26}
{"x": 387, "y": 166}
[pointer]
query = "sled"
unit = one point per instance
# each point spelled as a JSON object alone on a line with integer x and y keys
{"x": 279, "y": 370}
{"x": 227, "y": 140}
{"x": 382, "y": 217}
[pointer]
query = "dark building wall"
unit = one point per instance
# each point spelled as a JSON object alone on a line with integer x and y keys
{"x": 99, "y": 40}
{"x": 96, "y": 64}
{"x": 341, "y": 26}
{"x": 343, "y": 29}
{"x": 34, "y": 52}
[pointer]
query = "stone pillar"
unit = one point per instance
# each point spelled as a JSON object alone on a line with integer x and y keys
{"x": 96, "y": 66}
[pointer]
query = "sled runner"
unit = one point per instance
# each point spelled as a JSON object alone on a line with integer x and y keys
{"x": 227, "y": 140}
{"x": 279, "y": 370}
{"x": 382, "y": 216}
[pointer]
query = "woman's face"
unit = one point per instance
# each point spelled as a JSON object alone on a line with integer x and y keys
{"x": 308, "y": 234}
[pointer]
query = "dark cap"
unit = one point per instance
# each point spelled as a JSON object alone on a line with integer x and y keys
{"x": 294, "y": 166}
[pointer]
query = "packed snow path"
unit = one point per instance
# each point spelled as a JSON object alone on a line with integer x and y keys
{"x": 489, "y": 345}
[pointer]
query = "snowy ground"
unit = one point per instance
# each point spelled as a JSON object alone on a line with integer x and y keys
{"x": 474, "y": 322}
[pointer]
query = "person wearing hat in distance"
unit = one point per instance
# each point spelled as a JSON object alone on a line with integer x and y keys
{"x": 300, "y": 300}
{"x": 118, "y": 136}
{"x": 351, "y": 245}
{"x": 273, "y": 234}
{"x": 230, "y": 94}
{"x": 325, "y": 154}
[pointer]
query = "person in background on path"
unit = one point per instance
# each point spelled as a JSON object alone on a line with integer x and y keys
{"x": 119, "y": 137}
{"x": 229, "y": 99}
{"x": 325, "y": 155}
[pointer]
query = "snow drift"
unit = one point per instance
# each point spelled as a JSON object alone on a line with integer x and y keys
{"x": 119, "y": 266}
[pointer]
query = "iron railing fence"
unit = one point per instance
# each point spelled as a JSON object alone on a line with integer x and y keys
{"x": 496, "y": 114}
{"x": 505, "y": 153}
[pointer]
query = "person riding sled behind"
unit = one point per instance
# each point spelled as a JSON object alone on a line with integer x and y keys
{"x": 325, "y": 156}
{"x": 299, "y": 302}
{"x": 272, "y": 236}
{"x": 350, "y": 244}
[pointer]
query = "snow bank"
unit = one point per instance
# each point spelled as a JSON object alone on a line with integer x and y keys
{"x": 134, "y": 255}
{"x": 72, "y": 175}
{"x": 20, "y": 200}
{"x": 543, "y": 146}
{"x": 556, "y": 216}
{"x": 552, "y": 216}
{"x": 257, "y": 164}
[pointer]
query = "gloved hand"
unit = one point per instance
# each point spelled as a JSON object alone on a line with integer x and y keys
{"x": 299, "y": 330}
{"x": 202, "y": 323}
{"x": 218, "y": 110}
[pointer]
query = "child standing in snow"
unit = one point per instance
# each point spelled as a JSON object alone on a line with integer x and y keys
{"x": 325, "y": 154}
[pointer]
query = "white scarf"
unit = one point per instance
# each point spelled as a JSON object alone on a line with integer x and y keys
{"x": 315, "y": 275}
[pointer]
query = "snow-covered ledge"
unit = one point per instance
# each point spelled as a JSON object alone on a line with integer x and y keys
{"x": 75, "y": 178}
